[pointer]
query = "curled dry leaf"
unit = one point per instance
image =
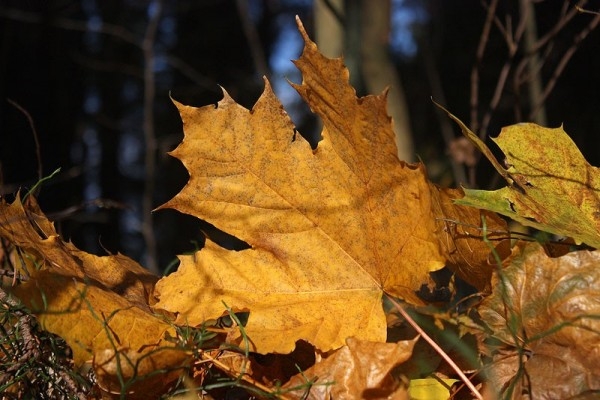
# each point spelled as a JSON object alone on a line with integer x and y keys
{"x": 359, "y": 369}
{"x": 99, "y": 305}
{"x": 27, "y": 227}
{"x": 331, "y": 229}
{"x": 549, "y": 308}
{"x": 461, "y": 237}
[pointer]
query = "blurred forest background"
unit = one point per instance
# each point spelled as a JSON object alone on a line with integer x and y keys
{"x": 85, "y": 86}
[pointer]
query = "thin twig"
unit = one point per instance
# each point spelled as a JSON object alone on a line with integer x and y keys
{"x": 149, "y": 137}
{"x": 115, "y": 31}
{"x": 474, "y": 97}
{"x": 437, "y": 348}
{"x": 256, "y": 48}
{"x": 70, "y": 24}
{"x": 564, "y": 61}
{"x": 38, "y": 153}
{"x": 437, "y": 90}
{"x": 513, "y": 41}
{"x": 192, "y": 74}
{"x": 583, "y": 11}
{"x": 560, "y": 24}
{"x": 483, "y": 39}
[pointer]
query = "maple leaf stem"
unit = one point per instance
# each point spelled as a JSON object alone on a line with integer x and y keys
{"x": 436, "y": 347}
{"x": 480, "y": 144}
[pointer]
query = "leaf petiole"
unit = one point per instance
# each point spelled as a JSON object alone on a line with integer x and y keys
{"x": 436, "y": 347}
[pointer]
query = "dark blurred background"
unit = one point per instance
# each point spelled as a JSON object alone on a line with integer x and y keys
{"x": 85, "y": 86}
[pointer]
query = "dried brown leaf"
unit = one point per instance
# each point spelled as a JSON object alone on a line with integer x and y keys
{"x": 546, "y": 311}
{"x": 360, "y": 369}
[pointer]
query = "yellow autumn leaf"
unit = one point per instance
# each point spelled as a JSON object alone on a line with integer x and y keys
{"x": 99, "y": 305}
{"x": 27, "y": 227}
{"x": 330, "y": 229}
{"x": 551, "y": 186}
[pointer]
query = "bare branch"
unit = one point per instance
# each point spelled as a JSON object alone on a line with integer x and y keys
{"x": 38, "y": 153}
{"x": 564, "y": 19}
{"x": 565, "y": 60}
{"x": 149, "y": 137}
{"x": 483, "y": 39}
{"x": 258, "y": 55}
{"x": 513, "y": 41}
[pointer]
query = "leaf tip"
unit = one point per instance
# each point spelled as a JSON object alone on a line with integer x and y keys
{"x": 226, "y": 97}
{"x": 301, "y": 27}
{"x": 307, "y": 42}
{"x": 175, "y": 102}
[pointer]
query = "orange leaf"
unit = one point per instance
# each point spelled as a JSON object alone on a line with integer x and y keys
{"x": 461, "y": 236}
{"x": 359, "y": 370}
{"x": 330, "y": 228}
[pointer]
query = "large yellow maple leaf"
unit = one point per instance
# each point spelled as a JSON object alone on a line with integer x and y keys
{"x": 330, "y": 228}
